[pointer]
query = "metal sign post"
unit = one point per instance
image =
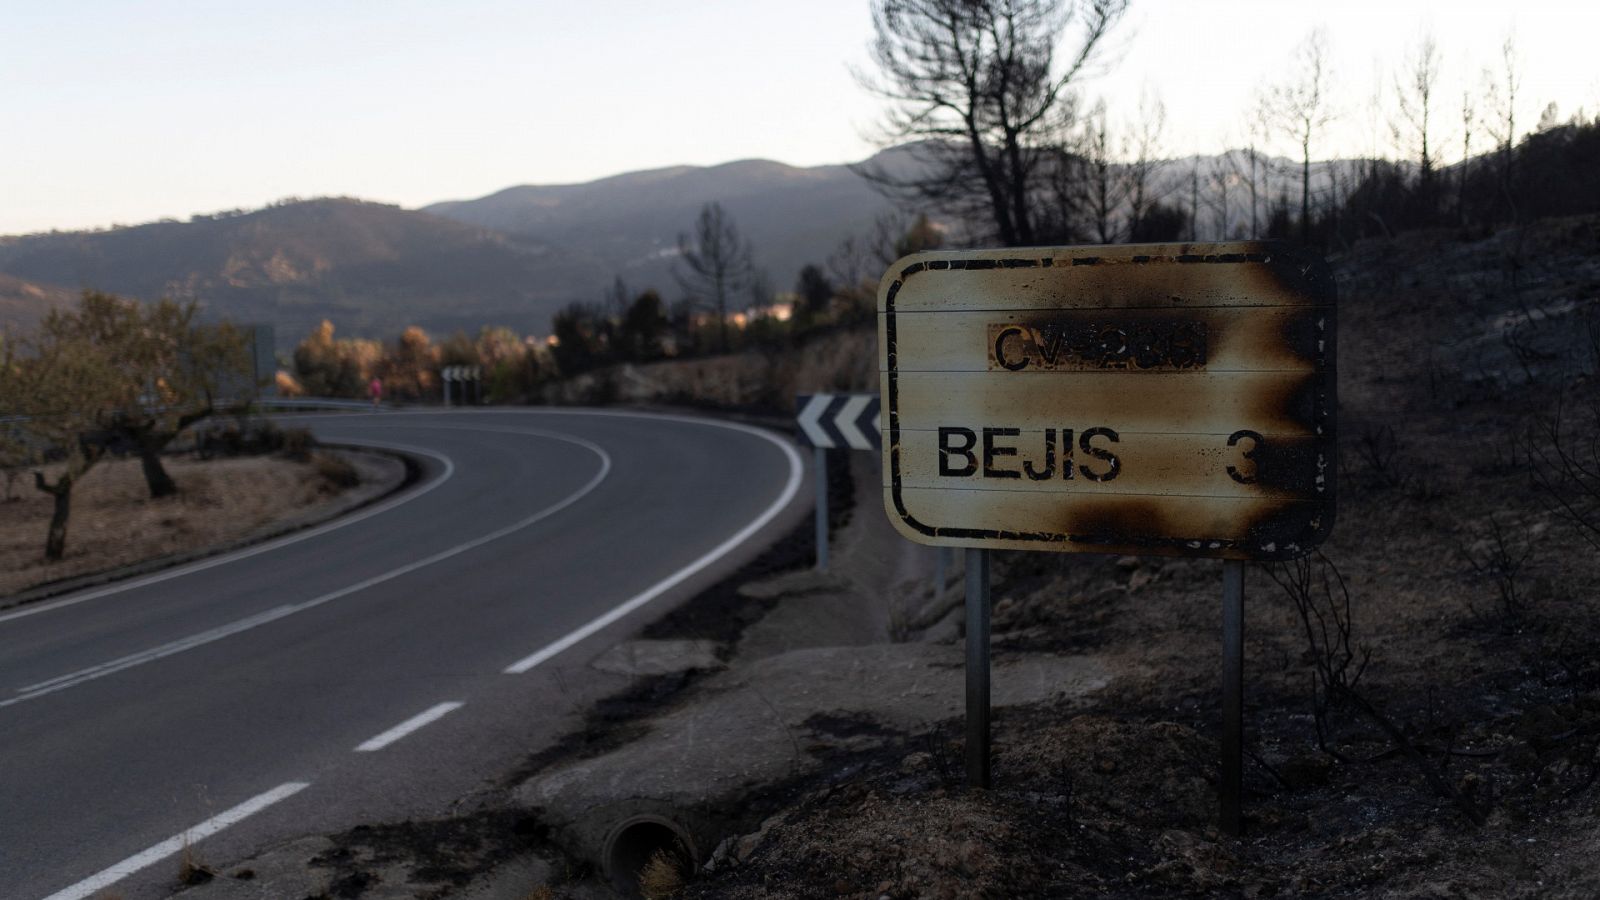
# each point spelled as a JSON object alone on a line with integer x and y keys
{"x": 462, "y": 374}
{"x": 978, "y": 668}
{"x": 1173, "y": 399}
{"x": 1231, "y": 789}
{"x": 819, "y": 474}
{"x": 831, "y": 421}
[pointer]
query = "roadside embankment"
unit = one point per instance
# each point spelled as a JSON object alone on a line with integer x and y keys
{"x": 117, "y": 531}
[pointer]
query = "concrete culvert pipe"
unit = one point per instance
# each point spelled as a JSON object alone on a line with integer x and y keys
{"x": 634, "y": 841}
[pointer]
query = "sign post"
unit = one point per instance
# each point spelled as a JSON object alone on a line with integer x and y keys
{"x": 451, "y": 374}
{"x": 832, "y": 421}
{"x": 978, "y": 774}
{"x": 1231, "y": 790}
{"x": 1172, "y": 399}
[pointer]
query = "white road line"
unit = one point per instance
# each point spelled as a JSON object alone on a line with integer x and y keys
{"x": 168, "y": 847}
{"x": 73, "y": 679}
{"x": 417, "y": 721}
{"x": 154, "y": 653}
{"x": 383, "y": 507}
{"x": 671, "y": 581}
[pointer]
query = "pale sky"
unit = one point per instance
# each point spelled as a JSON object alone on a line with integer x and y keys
{"x": 125, "y": 112}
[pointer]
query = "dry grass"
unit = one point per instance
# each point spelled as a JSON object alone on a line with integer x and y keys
{"x": 336, "y": 470}
{"x": 661, "y": 877}
{"x": 115, "y": 523}
{"x": 192, "y": 869}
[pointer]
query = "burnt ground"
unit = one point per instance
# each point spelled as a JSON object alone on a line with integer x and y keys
{"x": 1464, "y": 760}
{"x": 1461, "y": 761}
{"x": 438, "y": 858}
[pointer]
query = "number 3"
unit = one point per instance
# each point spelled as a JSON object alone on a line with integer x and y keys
{"x": 1256, "y": 440}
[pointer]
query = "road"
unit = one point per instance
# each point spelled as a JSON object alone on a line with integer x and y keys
{"x": 381, "y": 665}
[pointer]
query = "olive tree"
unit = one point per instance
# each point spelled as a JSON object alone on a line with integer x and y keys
{"x": 56, "y": 397}
{"x": 171, "y": 369}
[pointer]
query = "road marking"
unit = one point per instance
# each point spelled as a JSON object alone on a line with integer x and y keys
{"x": 671, "y": 581}
{"x": 61, "y": 682}
{"x": 168, "y": 847}
{"x": 286, "y": 540}
{"x": 73, "y": 679}
{"x": 417, "y": 721}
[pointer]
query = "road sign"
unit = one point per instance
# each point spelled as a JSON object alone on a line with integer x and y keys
{"x": 833, "y": 421}
{"x": 1158, "y": 398}
{"x": 461, "y": 373}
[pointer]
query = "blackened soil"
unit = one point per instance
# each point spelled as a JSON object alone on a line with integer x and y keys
{"x": 433, "y": 856}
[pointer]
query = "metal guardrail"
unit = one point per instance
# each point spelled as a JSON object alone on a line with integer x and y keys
{"x": 311, "y": 403}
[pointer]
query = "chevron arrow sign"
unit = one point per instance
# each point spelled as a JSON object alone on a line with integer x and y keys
{"x": 832, "y": 421}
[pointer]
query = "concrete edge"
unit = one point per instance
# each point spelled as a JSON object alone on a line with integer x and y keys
{"x": 367, "y": 460}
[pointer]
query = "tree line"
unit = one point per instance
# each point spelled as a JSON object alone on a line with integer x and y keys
{"x": 725, "y": 304}
{"x": 989, "y": 98}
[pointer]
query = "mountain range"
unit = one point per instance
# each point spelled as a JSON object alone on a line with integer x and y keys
{"x": 511, "y": 258}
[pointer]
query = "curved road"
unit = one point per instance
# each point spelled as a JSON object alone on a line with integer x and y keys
{"x": 382, "y": 665}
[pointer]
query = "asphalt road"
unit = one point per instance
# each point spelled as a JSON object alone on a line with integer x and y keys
{"x": 377, "y": 667}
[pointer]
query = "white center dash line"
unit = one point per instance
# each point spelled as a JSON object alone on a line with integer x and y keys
{"x": 404, "y": 728}
{"x": 168, "y": 847}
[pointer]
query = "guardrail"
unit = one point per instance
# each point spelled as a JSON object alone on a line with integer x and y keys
{"x": 311, "y": 403}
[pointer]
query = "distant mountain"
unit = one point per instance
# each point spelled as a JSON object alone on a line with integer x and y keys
{"x": 628, "y": 225}
{"x": 511, "y": 258}
{"x": 371, "y": 268}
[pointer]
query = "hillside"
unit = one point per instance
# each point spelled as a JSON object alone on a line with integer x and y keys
{"x": 628, "y": 224}
{"x": 513, "y": 257}
{"x": 369, "y": 267}
{"x": 23, "y": 303}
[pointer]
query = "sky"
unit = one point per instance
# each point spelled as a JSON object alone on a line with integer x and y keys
{"x": 125, "y": 112}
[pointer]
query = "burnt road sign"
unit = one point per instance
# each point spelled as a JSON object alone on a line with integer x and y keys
{"x": 1155, "y": 398}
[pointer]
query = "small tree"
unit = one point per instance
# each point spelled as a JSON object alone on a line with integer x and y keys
{"x": 716, "y": 264}
{"x": 1144, "y": 151}
{"x": 643, "y": 327}
{"x": 171, "y": 369}
{"x": 815, "y": 293}
{"x": 1413, "y": 130}
{"x": 1501, "y": 89}
{"x": 1102, "y": 186}
{"x": 411, "y": 368}
{"x": 1300, "y": 109}
{"x": 59, "y": 392}
{"x": 580, "y": 338}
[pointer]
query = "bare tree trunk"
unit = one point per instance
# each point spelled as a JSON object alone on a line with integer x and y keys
{"x": 1305, "y": 191}
{"x": 55, "y": 542}
{"x": 155, "y": 474}
{"x": 1255, "y": 224}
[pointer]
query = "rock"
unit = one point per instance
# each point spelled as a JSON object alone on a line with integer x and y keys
{"x": 801, "y": 581}
{"x": 1127, "y": 563}
{"x": 658, "y": 657}
{"x": 947, "y": 630}
{"x": 1306, "y": 770}
{"x": 1521, "y": 756}
{"x": 1539, "y": 724}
